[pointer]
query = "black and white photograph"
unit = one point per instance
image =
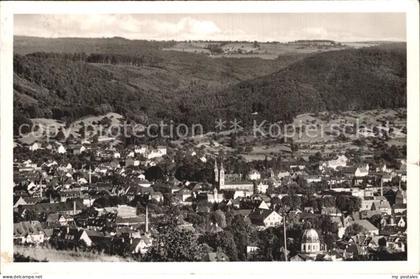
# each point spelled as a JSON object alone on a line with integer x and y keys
{"x": 210, "y": 137}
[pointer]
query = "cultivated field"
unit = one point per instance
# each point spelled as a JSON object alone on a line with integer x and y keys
{"x": 269, "y": 50}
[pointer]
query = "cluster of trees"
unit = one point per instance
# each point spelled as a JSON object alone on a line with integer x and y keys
{"x": 176, "y": 245}
{"x": 339, "y": 80}
{"x": 103, "y": 58}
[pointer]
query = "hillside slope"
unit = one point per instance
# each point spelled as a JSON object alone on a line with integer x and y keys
{"x": 356, "y": 79}
{"x": 147, "y": 84}
{"x": 70, "y": 86}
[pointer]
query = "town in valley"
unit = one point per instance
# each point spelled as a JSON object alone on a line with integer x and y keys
{"x": 216, "y": 197}
{"x": 210, "y": 137}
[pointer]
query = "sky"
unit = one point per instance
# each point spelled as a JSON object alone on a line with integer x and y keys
{"x": 281, "y": 27}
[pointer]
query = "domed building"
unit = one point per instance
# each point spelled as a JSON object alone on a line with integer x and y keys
{"x": 311, "y": 243}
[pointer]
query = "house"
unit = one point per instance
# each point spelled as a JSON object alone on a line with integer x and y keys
{"x": 382, "y": 204}
{"x": 71, "y": 194}
{"x": 301, "y": 258}
{"x": 263, "y": 218}
{"x": 184, "y": 194}
{"x": 218, "y": 256}
{"x": 399, "y": 208}
{"x": 250, "y": 249}
{"x": 362, "y": 171}
{"x": 140, "y": 149}
{"x": 313, "y": 179}
{"x": 140, "y": 245}
{"x": 143, "y": 183}
{"x": 262, "y": 187}
{"x": 386, "y": 178}
{"x": 396, "y": 243}
{"x": 203, "y": 208}
{"x": 215, "y": 197}
{"x": 58, "y": 207}
{"x": 133, "y": 222}
{"x": 341, "y": 161}
{"x": 331, "y": 211}
{"x": 263, "y": 205}
{"x": 368, "y": 227}
{"x": 242, "y": 194}
{"x": 401, "y": 223}
{"x": 74, "y": 237}
{"x": 160, "y": 151}
{"x": 401, "y": 197}
{"x": 254, "y": 175}
{"x": 283, "y": 174}
{"x": 76, "y": 149}
{"x": 35, "y": 146}
{"x": 340, "y": 226}
{"x": 125, "y": 211}
{"x": 30, "y": 232}
{"x": 18, "y": 201}
{"x": 366, "y": 214}
{"x": 56, "y": 219}
{"x": 185, "y": 226}
{"x": 157, "y": 196}
{"x": 61, "y": 149}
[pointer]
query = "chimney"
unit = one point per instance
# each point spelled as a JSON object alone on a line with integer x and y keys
{"x": 147, "y": 218}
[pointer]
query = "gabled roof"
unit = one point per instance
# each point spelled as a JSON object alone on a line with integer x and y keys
{"x": 365, "y": 224}
{"x": 27, "y": 228}
{"x": 52, "y": 207}
{"x": 258, "y": 216}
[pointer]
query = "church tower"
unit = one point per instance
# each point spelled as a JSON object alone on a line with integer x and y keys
{"x": 216, "y": 171}
{"x": 216, "y": 195}
{"x": 221, "y": 176}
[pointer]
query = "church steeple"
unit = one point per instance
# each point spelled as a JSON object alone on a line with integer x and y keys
{"x": 221, "y": 176}
{"x": 216, "y": 171}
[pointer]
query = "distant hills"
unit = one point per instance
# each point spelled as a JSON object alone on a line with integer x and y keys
{"x": 351, "y": 79}
{"x": 66, "y": 79}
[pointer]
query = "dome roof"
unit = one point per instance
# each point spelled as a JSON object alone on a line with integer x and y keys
{"x": 310, "y": 235}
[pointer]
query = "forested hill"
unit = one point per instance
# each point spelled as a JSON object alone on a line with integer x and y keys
{"x": 356, "y": 79}
{"x": 144, "y": 83}
{"x": 133, "y": 78}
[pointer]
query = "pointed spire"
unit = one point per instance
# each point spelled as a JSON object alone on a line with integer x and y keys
{"x": 216, "y": 171}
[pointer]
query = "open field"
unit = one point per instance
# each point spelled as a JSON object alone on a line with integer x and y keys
{"x": 268, "y": 50}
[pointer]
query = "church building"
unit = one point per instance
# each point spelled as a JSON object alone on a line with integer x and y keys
{"x": 236, "y": 185}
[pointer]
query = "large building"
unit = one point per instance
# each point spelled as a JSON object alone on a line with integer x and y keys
{"x": 311, "y": 244}
{"x": 236, "y": 185}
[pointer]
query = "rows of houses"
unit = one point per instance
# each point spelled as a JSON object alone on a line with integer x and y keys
{"x": 84, "y": 208}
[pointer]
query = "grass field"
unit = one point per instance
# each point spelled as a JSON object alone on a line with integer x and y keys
{"x": 52, "y": 255}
